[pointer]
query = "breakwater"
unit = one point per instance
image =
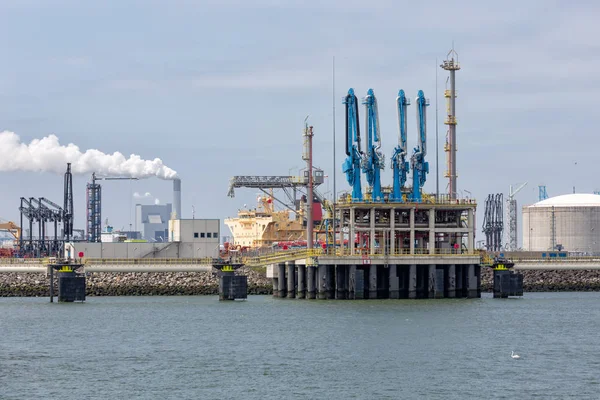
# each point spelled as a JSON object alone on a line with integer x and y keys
{"x": 204, "y": 283}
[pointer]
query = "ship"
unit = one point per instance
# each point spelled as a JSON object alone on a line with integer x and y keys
{"x": 263, "y": 226}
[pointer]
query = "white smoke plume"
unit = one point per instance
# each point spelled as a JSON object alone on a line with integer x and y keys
{"x": 146, "y": 195}
{"x": 48, "y": 155}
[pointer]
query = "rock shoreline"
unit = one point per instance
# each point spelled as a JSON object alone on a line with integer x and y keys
{"x": 204, "y": 283}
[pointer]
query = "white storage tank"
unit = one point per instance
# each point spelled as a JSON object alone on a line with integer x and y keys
{"x": 570, "y": 222}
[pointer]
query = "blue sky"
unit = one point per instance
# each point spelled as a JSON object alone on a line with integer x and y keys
{"x": 221, "y": 88}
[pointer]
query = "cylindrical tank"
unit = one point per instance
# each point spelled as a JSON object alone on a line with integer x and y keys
{"x": 569, "y": 222}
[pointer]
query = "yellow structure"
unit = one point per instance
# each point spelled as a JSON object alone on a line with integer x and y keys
{"x": 263, "y": 226}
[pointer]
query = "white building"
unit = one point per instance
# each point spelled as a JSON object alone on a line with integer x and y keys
{"x": 187, "y": 238}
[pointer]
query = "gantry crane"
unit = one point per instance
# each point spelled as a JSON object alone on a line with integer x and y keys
{"x": 351, "y": 166}
{"x": 373, "y": 160}
{"x": 399, "y": 164}
{"x": 420, "y": 167}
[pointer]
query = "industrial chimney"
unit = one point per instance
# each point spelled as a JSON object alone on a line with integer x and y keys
{"x": 177, "y": 198}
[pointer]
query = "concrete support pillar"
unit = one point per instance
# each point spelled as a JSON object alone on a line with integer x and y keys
{"x": 393, "y": 231}
{"x": 322, "y": 282}
{"x": 471, "y": 282}
{"x": 281, "y": 279}
{"x": 432, "y": 284}
{"x": 412, "y": 231}
{"x": 432, "y": 231}
{"x": 291, "y": 279}
{"x": 340, "y": 282}
{"x": 373, "y": 281}
{"x": 351, "y": 231}
{"x": 301, "y": 282}
{"x": 412, "y": 281}
{"x": 352, "y": 282}
{"x": 275, "y": 287}
{"x": 372, "y": 232}
{"x": 310, "y": 282}
{"x": 330, "y": 282}
{"x": 459, "y": 270}
{"x": 394, "y": 282}
{"x": 452, "y": 281}
{"x": 471, "y": 234}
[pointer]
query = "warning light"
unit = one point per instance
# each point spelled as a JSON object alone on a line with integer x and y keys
{"x": 81, "y": 254}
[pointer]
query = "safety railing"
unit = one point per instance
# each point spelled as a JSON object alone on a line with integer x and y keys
{"x": 25, "y": 261}
{"x": 149, "y": 261}
{"x": 282, "y": 256}
{"x": 347, "y": 200}
{"x": 405, "y": 252}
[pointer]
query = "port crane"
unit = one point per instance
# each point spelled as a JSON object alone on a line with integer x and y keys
{"x": 420, "y": 167}
{"x": 351, "y": 166}
{"x": 399, "y": 164}
{"x": 373, "y": 160}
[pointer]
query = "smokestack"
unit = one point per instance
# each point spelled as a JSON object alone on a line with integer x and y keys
{"x": 177, "y": 198}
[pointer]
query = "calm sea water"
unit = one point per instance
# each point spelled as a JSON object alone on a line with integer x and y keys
{"x": 200, "y": 348}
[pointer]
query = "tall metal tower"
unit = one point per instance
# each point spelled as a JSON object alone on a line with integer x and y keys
{"x": 512, "y": 217}
{"x": 94, "y": 210}
{"x": 451, "y": 64}
{"x": 68, "y": 204}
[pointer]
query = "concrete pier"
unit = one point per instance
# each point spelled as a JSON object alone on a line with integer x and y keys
{"x": 394, "y": 282}
{"x": 330, "y": 282}
{"x": 451, "y": 281}
{"x": 310, "y": 282}
{"x": 301, "y": 293}
{"x": 435, "y": 288}
{"x": 372, "y": 282}
{"x": 473, "y": 289}
{"x": 412, "y": 282}
{"x": 352, "y": 282}
{"x": 322, "y": 282}
{"x": 291, "y": 279}
{"x": 282, "y": 292}
{"x": 340, "y": 278}
{"x": 459, "y": 288}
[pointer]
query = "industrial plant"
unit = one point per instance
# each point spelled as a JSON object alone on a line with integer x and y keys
{"x": 379, "y": 240}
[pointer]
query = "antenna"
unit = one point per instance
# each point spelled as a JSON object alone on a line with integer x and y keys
{"x": 437, "y": 146}
{"x": 334, "y": 163}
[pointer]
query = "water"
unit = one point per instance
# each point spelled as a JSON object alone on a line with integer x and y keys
{"x": 262, "y": 348}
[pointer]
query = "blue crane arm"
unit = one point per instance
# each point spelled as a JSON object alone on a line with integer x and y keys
{"x": 351, "y": 166}
{"x": 419, "y": 165}
{"x": 373, "y": 159}
{"x": 399, "y": 164}
{"x": 422, "y": 103}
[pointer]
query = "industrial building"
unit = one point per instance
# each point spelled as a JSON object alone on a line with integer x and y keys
{"x": 153, "y": 221}
{"x": 569, "y": 222}
{"x": 188, "y": 238}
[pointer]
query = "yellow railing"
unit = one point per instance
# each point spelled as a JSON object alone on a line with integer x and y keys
{"x": 24, "y": 261}
{"x": 146, "y": 261}
{"x": 282, "y": 256}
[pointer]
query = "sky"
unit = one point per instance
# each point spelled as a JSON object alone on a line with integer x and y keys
{"x": 219, "y": 88}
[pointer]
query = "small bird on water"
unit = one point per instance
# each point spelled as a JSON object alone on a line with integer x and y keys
{"x": 513, "y": 355}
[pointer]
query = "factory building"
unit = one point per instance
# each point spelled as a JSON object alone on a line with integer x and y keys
{"x": 188, "y": 238}
{"x": 153, "y": 221}
{"x": 569, "y": 222}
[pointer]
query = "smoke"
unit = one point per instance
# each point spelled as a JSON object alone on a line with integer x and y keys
{"x": 146, "y": 195}
{"x": 48, "y": 155}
